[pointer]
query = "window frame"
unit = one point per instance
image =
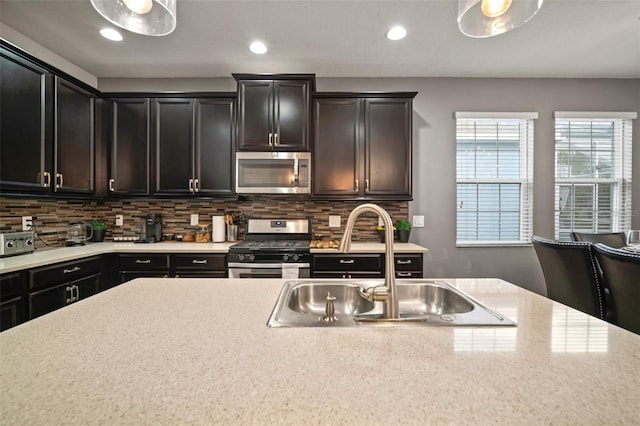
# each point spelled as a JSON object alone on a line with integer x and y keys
{"x": 525, "y": 179}
{"x": 621, "y": 151}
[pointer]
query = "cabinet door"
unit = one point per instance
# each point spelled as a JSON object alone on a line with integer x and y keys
{"x": 291, "y": 115}
{"x": 388, "y": 148}
{"x": 25, "y": 155}
{"x": 74, "y": 138}
{"x": 45, "y": 301}
{"x": 12, "y": 302}
{"x": 130, "y": 133}
{"x": 215, "y": 125}
{"x": 336, "y": 164}
{"x": 174, "y": 146}
{"x": 255, "y": 115}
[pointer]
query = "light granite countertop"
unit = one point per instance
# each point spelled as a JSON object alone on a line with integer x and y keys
{"x": 42, "y": 257}
{"x": 197, "y": 351}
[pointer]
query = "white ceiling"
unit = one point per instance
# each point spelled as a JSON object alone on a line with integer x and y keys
{"x": 567, "y": 38}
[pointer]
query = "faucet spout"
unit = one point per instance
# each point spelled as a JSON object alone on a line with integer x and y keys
{"x": 390, "y": 298}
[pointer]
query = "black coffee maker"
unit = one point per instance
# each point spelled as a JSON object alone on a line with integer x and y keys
{"x": 151, "y": 229}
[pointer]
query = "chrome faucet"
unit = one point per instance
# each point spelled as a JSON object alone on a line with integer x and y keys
{"x": 386, "y": 293}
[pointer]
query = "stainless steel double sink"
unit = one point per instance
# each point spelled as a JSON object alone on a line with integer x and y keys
{"x": 420, "y": 302}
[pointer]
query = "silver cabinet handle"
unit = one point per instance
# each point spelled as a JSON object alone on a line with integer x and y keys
{"x": 190, "y": 185}
{"x": 199, "y": 262}
{"x": 347, "y": 261}
{"x": 143, "y": 261}
{"x": 366, "y": 184}
{"x": 74, "y": 269}
{"x": 111, "y": 185}
{"x": 70, "y": 291}
{"x": 196, "y": 185}
{"x": 403, "y": 274}
{"x": 270, "y": 139}
{"x": 403, "y": 262}
{"x": 60, "y": 179}
{"x": 357, "y": 185}
{"x": 77, "y": 293}
{"x": 46, "y": 182}
{"x": 275, "y": 139}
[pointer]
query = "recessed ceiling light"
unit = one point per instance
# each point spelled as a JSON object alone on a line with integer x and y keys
{"x": 396, "y": 33}
{"x": 258, "y": 47}
{"x": 111, "y": 34}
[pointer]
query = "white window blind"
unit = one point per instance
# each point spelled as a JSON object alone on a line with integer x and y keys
{"x": 494, "y": 174}
{"x": 593, "y": 172}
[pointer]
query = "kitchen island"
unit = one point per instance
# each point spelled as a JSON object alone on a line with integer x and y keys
{"x": 198, "y": 351}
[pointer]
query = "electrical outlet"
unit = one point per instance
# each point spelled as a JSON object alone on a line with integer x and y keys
{"x": 27, "y": 223}
{"x": 119, "y": 220}
{"x": 194, "y": 219}
{"x": 418, "y": 221}
{"x": 334, "y": 221}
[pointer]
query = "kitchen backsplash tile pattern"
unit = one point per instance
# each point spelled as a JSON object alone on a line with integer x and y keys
{"x": 53, "y": 216}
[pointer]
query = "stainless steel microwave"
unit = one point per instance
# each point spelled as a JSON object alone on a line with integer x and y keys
{"x": 273, "y": 172}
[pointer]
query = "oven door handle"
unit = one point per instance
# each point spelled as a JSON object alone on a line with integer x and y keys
{"x": 265, "y": 265}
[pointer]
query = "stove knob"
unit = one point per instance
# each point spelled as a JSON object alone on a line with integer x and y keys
{"x": 252, "y": 257}
{"x": 241, "y": 257}
{"x": 285, "y": 257}
{"x": 295, "y": 257}
{"x": 11, "y": 244}
{"x": 29, "y": 242}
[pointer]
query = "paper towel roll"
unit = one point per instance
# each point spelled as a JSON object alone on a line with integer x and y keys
{"x": 217, "y": 229}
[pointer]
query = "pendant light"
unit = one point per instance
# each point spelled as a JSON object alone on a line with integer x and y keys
{"x": 146, "y": 17}
{"x": 488, "y": 18}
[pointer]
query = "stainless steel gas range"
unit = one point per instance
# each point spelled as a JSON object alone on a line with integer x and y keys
{"x": 273, "y": 248}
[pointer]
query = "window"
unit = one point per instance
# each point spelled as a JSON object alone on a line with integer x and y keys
{"x": 593, "y": 172}
{"x": 494, "y": 174}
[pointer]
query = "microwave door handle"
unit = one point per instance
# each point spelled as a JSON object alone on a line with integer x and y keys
{"x": 296, "y": 172}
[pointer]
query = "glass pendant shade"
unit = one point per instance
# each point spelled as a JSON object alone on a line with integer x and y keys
{"x": 146, "y": 17}
{"x": 487, "y": 18}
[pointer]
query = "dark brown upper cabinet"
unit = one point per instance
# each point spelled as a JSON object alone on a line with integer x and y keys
{"x": 47, "y": 130}
{"x": 26, "y": 132}
{"x": 194, "y": 140}
{"x": 362, "y": 146}
{"x": 129, "y": 172}
{"x": 74, "y": 138}
{"x": 273, "y": 111}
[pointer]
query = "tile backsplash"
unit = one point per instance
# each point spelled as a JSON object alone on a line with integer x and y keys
{"x": 53, "y": 216}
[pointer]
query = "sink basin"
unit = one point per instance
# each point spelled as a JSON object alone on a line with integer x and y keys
{"x": 420, "y": 302}
{"x": 311, "y": 299}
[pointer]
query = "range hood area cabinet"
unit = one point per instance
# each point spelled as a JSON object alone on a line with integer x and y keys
{"x": 47, "y": 130}
{"x": 362, "y": 145}
{"x": 194, "y": 140}
{"x": 167, "y": 145}
{"x": 274, "y": 111}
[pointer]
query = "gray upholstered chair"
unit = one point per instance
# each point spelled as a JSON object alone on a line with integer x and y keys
{"x": 572, "y": 275}
{"x": 621, "y": 273}
{"x": 612, "y": 239}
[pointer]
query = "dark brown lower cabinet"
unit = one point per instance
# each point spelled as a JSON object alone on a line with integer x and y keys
{"x": 12, "y": 301}
{"x": 361, "y": 265}
{"x": 45, "y": 301}
{"x": 55, "y": 286}
{"x": 142, "y": 265}
{"x": 199, "y": 265}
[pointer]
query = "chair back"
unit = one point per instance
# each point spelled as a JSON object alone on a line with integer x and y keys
{"x": 571, "y": 275}
{"x": 621, "y": 272}
{"x": 611, "y": 239}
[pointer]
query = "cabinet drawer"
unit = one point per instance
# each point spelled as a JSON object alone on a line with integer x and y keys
{"x": 11, "y": 313}
{"x": 200, "y": 262}
{"x": 408, "y": 262}
{"x": 143, "y": 262}
{"x": 45, "y": 301}
{"x": 63, "y": 272}
{"x": 347, "y": 275}
{"x": 409, "y": 274}
{"x": 348, "y": 262}
{"x": 202, "y": 274}
{"x": 12, "y": 284}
